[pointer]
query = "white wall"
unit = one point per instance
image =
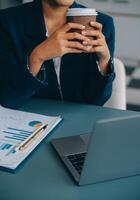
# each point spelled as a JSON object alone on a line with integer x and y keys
{"x": 127, "y": 37}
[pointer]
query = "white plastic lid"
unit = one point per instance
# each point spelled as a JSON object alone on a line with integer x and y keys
{"x": 81, "y": 12}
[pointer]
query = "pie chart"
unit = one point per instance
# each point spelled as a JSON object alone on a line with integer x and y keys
{"x": 35, "y": 124}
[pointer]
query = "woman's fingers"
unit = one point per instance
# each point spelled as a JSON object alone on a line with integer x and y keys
{"x": 67, "y": 27}
{"x": 92, "y": 33}
{"x": 72, "y": 50}
{"x": 77, "y": 36}
{"x": 77, "y": 45}
{"x": 96, "y": 26}
{"x": 98, "y": 49}
{"x": 98, "y": 42}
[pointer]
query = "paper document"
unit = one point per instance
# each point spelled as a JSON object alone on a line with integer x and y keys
{"x": 15, "y": 128}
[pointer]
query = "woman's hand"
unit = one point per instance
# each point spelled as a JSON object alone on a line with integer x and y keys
{"x": 99, "y": 45}
{"x": 58, "y": 44}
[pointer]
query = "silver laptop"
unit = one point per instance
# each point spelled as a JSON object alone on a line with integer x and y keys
{"x": 110, "y": 152}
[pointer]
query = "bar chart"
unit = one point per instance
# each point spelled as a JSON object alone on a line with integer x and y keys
{"x": 6, "y": 149}
{"x": 16, "y": 135}
{"x": 10, "y": 138}
{"x": 4, "y": 146}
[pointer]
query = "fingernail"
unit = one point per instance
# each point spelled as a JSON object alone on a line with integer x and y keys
{"x": 92, "y": 23}
{"x": 83, "y": 32}
{"x": 85, "y": 42}
{"x": 89, "y": 47}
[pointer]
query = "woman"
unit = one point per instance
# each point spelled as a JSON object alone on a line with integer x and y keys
{"x": 39, "y": 57}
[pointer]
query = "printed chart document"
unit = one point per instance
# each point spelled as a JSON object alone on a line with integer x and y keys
{"x": 20, "y": 129}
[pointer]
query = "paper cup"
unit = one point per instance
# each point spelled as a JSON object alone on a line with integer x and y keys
{"x": 82, "y": 16}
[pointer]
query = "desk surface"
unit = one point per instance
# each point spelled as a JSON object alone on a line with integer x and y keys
{"x": 44, "y": 177}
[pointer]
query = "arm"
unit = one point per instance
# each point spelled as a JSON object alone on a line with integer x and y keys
{"x": 110, "y": 40}
{"x": 17, "y": 84}
{"x": 100, "y": 82}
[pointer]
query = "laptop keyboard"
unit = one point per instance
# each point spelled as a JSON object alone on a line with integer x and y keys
{"x": 77, "y": 160}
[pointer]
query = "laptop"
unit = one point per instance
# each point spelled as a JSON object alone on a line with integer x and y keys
{"x": 110, "y": 151}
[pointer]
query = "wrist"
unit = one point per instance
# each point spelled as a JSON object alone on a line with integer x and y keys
{"x": 103, "y": 63}
{"x": 35, "y": 63}
{"x": 36, "y": 56}
{"x": 104, "y": 59}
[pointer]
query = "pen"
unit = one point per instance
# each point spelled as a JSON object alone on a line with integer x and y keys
{"x": 26, "y": 142}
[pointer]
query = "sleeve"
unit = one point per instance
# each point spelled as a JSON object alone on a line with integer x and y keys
{"x": 99, "y": 87}
{"x": 17, "y": 84}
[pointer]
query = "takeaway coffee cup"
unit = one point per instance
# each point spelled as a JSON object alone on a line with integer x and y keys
{"x": 82, "y": 16}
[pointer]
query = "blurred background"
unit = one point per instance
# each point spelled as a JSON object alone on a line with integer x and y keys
{"x": 126, "y": 15}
